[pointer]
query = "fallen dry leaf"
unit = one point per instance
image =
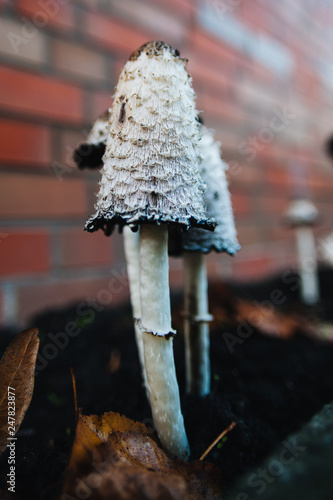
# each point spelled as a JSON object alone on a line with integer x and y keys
{"x": 269, "y": 321}
{"x": 114, "y": 457}
{"x": 17, "y": 370}
{"x": 226, "y": 306}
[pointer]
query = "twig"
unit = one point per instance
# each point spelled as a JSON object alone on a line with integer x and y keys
{"x": 74, "y": 391}
{"x": 231, "y": 426}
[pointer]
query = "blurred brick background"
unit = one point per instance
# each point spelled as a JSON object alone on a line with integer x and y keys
{"x": 263, "y": 74}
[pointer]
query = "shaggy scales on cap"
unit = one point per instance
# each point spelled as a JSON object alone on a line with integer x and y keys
{"x": 151, "y": 164}
{"x": 217, "y": 204}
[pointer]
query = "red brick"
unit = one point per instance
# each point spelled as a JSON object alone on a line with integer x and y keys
{"x": 183, "y": 8}
{"x": 62, "y": 16}
{"x": 31, "y": 94}
{"x": 216, "y": 106}
{"x": 33, "y": 196}
{"x": 248, "y": 234}
{"x": 259, "y": 19}
{"x": 252, "y": 268}
{"x": 241, "y": 204}
{"x": 38, "y": 298}
{"x": 242, "y": 174}
{"x": 69, "y": 141}
{"x": 282, "y": 232}
{"x": 24, "y": 143}
{"x": 213, "y": 50}
{"x": 161, "y": 24}
{"x": 100, "y": 101}
{"x": 24, "y": 253}
{"x": 18, "y": 48}
{"x": 218, "y": 266}
{"x": 250, "y": 92}
{"x": 80, "y": 249}
{"x": 228, "y": 138}
{"x": 217, "y": 52}
{"x": 278, "y": 178}
{"x": 236, "y": 93}
{"x": 91, "y": 4}
{"x": 317, "y": 188}
{"x": 276, "y": 205}
{"x": 207, "y": 75}
{"x": 79, "y": 61}
{"x": 267, "y": 153}
{"x": 325, "y": 208}
{"x": 120, "y": 62}
{"x": 113, "y": 34}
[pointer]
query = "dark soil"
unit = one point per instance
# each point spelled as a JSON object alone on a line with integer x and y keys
{"x": 268, "y": 386}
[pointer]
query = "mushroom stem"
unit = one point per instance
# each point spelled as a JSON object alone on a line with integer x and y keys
{"x": 132, "y": 254}
{"x": 158, "y": 340}
{"x": 307, "y": 265}
{"x": 196, "y": 324}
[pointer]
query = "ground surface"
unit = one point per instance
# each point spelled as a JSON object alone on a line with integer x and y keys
{"x": 268, "y": 386}
{"x": 300, "y": 467}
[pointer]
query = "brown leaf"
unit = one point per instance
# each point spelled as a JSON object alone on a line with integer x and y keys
{"x": 269, "y": 320}
{"x": 114, "y": 457}
{"x": 17, "y": 370}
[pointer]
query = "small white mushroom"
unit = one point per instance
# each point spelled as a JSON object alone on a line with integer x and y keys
{"x": 90, "y": 153}
{"x": 97, "y": 137}
{"x": 100, "y": 129}
{"x": 193, "y": 245}
{"x": 151, "y": 178}
{"x": 217, "y": 203}
{"x": 302, "y": 215}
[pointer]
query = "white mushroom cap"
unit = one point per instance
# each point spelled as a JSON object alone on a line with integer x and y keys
{"x": 99, "y": 131}
{"x": 217, "y": 203}
{"x": 151, "y": 163}
{"x": 90, "y": 153}
{"x": 301, "y": 213}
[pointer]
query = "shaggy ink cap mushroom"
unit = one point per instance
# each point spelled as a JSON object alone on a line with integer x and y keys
{"x": 151, "y": 163}
{"x": 151, "y": 177}
{"x": 193, "y": 245}
{"x": 97, "y": 138}
{"x": 90, "y": 153}
{"x": 302, "y": 215}
{"x": 217, "y": 204}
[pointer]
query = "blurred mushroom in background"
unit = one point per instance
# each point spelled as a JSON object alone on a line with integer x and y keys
{"x": 302, "y": 215}
{"x": 193, "y": 245}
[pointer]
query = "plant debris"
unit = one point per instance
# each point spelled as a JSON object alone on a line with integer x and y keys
{"x": 219, "y": 437}
{"x": 115, "y": 457}
{"x": 267, "y": 384}
{"x": 17, "y": 372}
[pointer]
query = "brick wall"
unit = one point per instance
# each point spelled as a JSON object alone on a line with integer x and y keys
{"x": 263, "y": 75}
